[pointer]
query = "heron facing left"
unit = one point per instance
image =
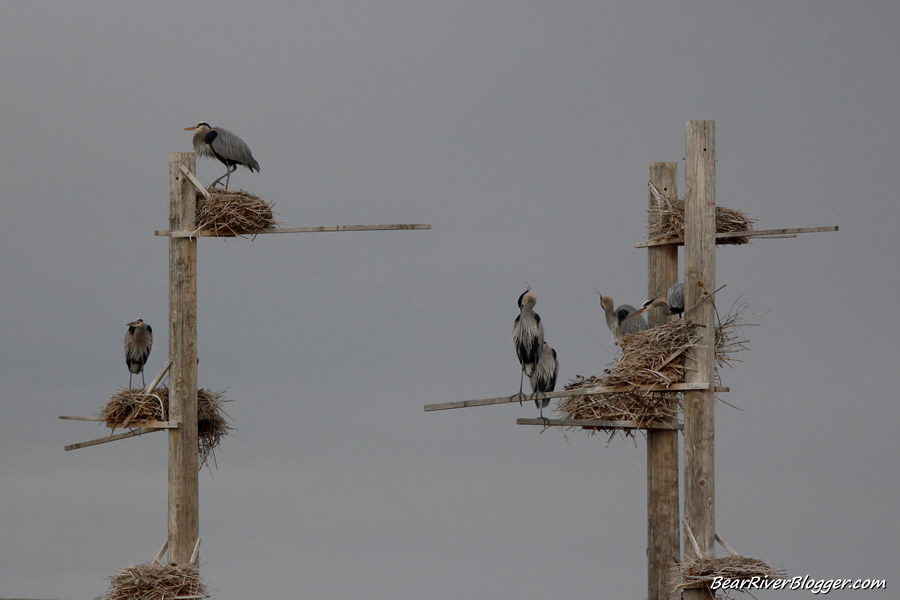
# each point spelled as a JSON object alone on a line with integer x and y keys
{"x": 226, "y": 147}
{"x": 138, "y": 342}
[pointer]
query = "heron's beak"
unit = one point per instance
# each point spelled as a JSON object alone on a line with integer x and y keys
{"x": 194, "y": 128}
{"x": 132, "y": 324}
{"x": 643, "y": 310}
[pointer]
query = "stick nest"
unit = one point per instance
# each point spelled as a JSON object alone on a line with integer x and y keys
{"x": 650, "y": 357}
{"x": 695, "y": 570}
{"x": 667, "y": 220}
{"x": 129, "y": 407}
{"x": 230, "y": 213}
{"x": 155, "y": 581}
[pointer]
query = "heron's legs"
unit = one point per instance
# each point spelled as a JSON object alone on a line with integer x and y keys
{"x": 520, "y": 395}
{"x": 142, "y": 379}
{"x": 130, "y": 375}
{"x": 228, "y": 171}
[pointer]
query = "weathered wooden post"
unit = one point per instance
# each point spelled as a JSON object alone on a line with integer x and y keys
{"x": 699, "y": 282}
{"x": 663, "y": 523}
{"x": 184, "y": 509}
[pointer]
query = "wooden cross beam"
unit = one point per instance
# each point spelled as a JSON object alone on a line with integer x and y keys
{"x": 599, "y": 424}
{"x": 762, "y": 233}
{"x": 601, "y": 389}
{"x": 319, "y": 228}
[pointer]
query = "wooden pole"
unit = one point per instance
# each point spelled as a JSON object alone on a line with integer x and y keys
{"x": 184, "y": 526}
{"x": 663, "y": 530}
{"x": 699, "y": 280}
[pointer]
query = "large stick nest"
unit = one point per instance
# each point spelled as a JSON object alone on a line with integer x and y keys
{"x": 155, "y": 581}
{"x": 667, "y": 220}
{"x": 131, "y": 407}
{"x": 651, "y": 357}
{"x": 695, "y": 570}
{"x": 230, "y": 213}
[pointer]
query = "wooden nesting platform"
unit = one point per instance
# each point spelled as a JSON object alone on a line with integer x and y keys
{"x": 667, "y": 223}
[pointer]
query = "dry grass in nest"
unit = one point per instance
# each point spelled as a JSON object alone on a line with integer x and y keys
{"x": 650, "y": 357}
{"x": 695, "y": 570}
{"x": 231, "y": 213}
{"x": 155, "y": 581}
{"x": 667, "y": 220}
{"x": 641, "y": 407}
{"x": 132, "y": 406}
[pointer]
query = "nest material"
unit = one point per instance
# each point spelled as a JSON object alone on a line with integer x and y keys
{"x": 667, "y": 220}
{"x": 650, "y": 357}
{"x": 230, "y": 213}
{"x": 696, "y": 570}
{"x": 155, "y": 581}
{"x": 129, "y": 407}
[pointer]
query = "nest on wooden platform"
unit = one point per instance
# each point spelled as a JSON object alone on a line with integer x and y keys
{"x": 641, "y": 407}
{"x": 650, "y": 357}
{"x": 667, "y": 220}
{"x": 155, "y": 581}
{"x": 230, "y": 213}
{"x": 696, "y": 570}
{"x": 130, "y": 407}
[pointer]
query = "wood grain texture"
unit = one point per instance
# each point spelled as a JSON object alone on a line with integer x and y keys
{"x": 184, "y": 520}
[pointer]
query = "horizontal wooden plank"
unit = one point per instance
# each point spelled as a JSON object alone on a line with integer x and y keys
{"x": 321, "y": 228}
{"x": 603, "y": 389}
{"x": 762, "y": 233}
{"x": 600, "y": 424}
{"x": 146, "y": 423}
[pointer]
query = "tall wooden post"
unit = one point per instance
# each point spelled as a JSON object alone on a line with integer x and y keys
{"x": 663, "y": 524}
{"x": 184, "y": 525}
{"x": 699, "y": 282}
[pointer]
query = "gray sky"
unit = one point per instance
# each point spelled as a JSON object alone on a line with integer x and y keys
{"x": 522, "y": 132}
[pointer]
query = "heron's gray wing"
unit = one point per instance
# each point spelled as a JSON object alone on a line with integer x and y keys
{"x": 231, "y": 147}
{"x": 675, "y": 298}
{"x": 630, "y": 326}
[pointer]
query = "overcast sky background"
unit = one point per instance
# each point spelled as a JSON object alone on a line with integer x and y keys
{"x": 522, "y": 132}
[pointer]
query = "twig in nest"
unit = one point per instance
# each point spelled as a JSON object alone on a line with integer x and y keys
{"x": 231, "y": 213}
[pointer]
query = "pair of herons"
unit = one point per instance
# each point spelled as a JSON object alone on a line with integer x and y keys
{"x": 231, "y": 151}
{"x": 540, "y": 362}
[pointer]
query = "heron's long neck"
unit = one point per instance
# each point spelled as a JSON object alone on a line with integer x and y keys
{"x": 612, "y": 321}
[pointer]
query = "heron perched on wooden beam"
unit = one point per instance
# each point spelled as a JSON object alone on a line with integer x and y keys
{"x": 528, "y": 336}
{"x": 221, "y": 144}
{"x": 138, "y": 343}
{"x": 672, "y": 305}
{"x": 618, "y": 319}
{"x": 543, "y": 379}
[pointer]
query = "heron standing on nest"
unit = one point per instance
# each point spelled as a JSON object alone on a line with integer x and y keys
{"x": 528, "y": 336}
{"x": 221, "y": 144}
{"x": 543, "y": 379}
{"x": 619, "y": 320}
{"x": 672, "y": 305}
{"x": 138, "y": 342}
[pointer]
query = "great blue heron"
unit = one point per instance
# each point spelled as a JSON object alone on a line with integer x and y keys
{"x": 672, "y": 305}
{"x": 528, "y": 336}
{"x": 618, "y": 319}
{"x": 229, "y": 149}
{"x": 138, "y": 342}
{"x": 543, "y": 379}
